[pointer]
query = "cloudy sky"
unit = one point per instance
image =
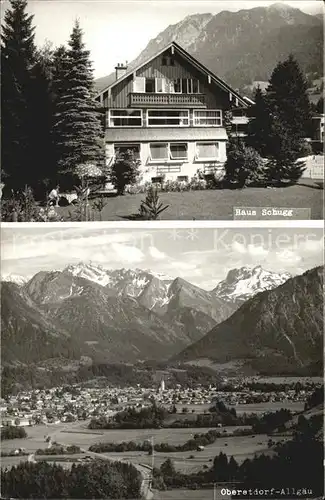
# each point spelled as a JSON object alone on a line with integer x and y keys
{"x": 117, "y": 31}
{"x": 201, "y": 256}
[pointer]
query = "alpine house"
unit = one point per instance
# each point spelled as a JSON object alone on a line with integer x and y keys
{"x": 170, "y": 111}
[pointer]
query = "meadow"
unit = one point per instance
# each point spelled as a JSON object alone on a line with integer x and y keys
{"x": 259, "y": 408}
{"x": 240, "y": 447}
{"x": 216, "y": 204}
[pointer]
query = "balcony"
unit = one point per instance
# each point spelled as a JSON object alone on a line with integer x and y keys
{"x": 137, "y": 99}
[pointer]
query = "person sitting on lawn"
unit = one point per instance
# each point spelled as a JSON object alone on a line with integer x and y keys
{"x": 54, "y": 196}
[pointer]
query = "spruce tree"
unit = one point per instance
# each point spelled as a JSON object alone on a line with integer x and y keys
{"x": 259, "y": 124}
{"x": 285, "y": 147}
{"x": 60, "y": 84}
{"x": 17, "y": 60}
{"x": 78, "y": 131}
{"x": 289, "y": 112}
{"x": 45, "y": 168}
{"x": 287, "y": 98}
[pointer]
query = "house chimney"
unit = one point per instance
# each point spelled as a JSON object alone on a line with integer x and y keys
{"x": 120, "y": 70}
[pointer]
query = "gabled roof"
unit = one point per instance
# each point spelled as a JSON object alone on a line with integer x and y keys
{"x": 214, "y": 78}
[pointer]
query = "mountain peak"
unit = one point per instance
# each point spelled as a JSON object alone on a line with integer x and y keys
{"x": 15, "y": 278}
{"x": 282, "y": 7}
{"x": 223, "y": 43}
{"x": 90, "y": 271}
{"x": 245, "y": 282}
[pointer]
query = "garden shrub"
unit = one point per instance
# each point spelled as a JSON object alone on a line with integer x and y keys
{"x": 175, "y": 186}
{"x": 124, "y": 171}
{"x": 244, "y": 166}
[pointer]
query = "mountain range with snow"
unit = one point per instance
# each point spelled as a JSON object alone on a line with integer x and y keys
{"x": 124, "y": 315}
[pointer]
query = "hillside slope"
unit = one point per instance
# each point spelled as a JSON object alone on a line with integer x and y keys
{"x": 277, "y": 331}
{"x": 244, "y": 46}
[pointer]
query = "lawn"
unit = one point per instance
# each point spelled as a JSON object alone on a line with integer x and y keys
{"x": 215, "y": 204}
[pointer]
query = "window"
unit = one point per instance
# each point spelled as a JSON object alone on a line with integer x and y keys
{"x": 178, "y": 151}
{"x": 159, "y": 151}
{"x": 158, "y": 180}
{"x": 177, "y": 86}
{"x": 207, "y": 118}
{"x": 125, "y": 118}
{"x": 167, "y": 61}
{"x": 185, "y": 86}
{"x": 207, "y": 150}
{"x": 165, "y": 151}
{"x": 139, "y": 84}
{"x": 123, "y": 148}
{"x": 150, "y": 85}
{"x": 190, "y": 86}
{"x": 168, "y": 118}
{"x": 182, "y": 178}
{"x": 195, "y": 86}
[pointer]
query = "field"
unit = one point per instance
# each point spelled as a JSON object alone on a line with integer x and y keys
{"x": 78, "y": 434}
{"x": 240, "y": 446}
{"x": 248, "y": 408}
{"x": 71, "y": 435}
{"x": 288, "y": 380}
{"x": 216, "y": 204}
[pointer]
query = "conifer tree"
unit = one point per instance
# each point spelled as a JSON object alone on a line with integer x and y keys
{"x": 285, "y": 148}
{"x": 44, "y": 165}
{"x": 287, "y": 98}
{"x": 77, "y": 130}
{"x": 17, "y": 59}
{"x": 259, "y": 124}
{"x": 280, "y": 122}
{"x": 25, "y": 102}
{"x": 60, "y": 84}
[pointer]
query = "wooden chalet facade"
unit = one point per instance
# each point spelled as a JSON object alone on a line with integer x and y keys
{"x": 170, "y": 111}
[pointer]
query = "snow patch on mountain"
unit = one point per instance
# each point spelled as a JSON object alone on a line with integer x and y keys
{"x": 90, "y": 272}
{"x": 130, "y": 282}
{"x": 245, "y": 282}
{"x": 15, "y": 278}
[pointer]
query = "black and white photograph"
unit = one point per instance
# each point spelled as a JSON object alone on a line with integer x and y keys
{"x": 162, "y": 363}
{"x": 162, "y": 249}
{"x": 139, "y": 110}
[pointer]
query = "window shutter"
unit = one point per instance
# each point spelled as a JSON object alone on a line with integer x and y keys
{"x": 160, "y": 85}
{"x": 139, "y": 84}
{"x": 167, "y": 86}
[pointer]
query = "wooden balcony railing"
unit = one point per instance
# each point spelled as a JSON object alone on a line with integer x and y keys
{"x": 179, "y": 100}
